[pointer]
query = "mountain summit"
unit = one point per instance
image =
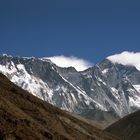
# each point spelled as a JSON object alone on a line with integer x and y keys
{"x": 126, "y": 58}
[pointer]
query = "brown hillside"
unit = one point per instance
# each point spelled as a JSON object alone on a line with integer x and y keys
{"x": 25, "y": 117}
{"x": 128, "y": 128}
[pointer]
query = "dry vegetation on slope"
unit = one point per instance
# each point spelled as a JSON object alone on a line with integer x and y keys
{"x": 25, "y": 117}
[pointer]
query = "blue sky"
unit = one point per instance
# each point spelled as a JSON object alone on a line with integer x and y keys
{"x": 89, "y": 29}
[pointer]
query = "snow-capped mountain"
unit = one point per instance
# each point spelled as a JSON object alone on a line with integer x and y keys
{"x": 108, "y": 87}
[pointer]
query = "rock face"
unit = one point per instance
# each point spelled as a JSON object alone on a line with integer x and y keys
{"x": 26, "y": 117}
{"x": 104, "y": 93}
{"x": 128, "y": 128}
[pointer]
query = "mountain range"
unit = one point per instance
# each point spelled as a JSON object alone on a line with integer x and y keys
{"x": 104, "y": 93}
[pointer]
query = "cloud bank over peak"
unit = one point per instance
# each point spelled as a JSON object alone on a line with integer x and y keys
{"x": 126, "y": 58}
{"x": 64, "y": 61}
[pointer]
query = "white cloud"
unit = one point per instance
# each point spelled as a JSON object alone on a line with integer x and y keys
{"x": 63, "y": 61}
{"x": 126, "y": 58}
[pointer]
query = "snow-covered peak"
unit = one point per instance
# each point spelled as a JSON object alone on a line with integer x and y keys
{"x": 126, "y": 58}
{"x": 45, "y": 59}
{"x": 6, "y": 55}
{"x": 65, "y": 62}
{"x": 25, "y": 57}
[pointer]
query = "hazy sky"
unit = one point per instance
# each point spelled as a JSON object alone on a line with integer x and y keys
{"x": 89, "y": 29}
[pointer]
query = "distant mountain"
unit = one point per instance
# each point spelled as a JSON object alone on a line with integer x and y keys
{"x": 103, "y": 93}
{"x": 25, "y": 117}
{"x": 128, "y": 128}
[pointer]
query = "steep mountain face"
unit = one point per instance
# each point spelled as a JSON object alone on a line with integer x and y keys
{"x": 128, "y": 128}
{"x": 103, "y": 93}
{"x": 25, "y": 117}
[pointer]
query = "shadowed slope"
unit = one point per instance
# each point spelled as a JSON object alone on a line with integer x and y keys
{"x": 25, "y": 117}
{"x": 127, "y": 128}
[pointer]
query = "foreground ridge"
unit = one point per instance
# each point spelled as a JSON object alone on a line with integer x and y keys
{"x": 25, "y": 117}
{"x": 128, "y": 128}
